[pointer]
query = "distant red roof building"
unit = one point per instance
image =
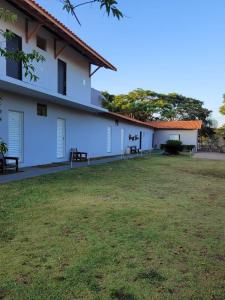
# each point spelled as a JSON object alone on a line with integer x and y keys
{"x": 185, "y": 125}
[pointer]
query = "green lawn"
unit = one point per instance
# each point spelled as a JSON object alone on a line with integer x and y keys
{"x": 150, "y": 228}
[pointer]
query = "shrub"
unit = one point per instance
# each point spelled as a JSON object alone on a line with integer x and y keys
{"x": 173, "y": 147}
{"x": 185, "y": 147}
{"x": 3, "y": 147}
{"x": 188, "y": 147}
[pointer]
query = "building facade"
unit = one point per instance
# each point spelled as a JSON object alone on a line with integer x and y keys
{"x": 41, "y": 121}
{"x": 185, "y": 131}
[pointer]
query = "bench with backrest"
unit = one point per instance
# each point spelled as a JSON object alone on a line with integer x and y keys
{"x": 8, "y": 163}
{"x": 134, "y": 150}
{"x": 76, "y": 155}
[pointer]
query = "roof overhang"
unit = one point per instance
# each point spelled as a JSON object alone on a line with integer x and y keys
{"x": 36, "y": 12}
{"x": 126, "y": 119}
{"x": 185, "y": 129}
{"x": 176, "y": 125}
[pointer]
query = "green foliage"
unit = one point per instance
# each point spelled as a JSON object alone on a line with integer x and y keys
{"x": 110, "y": 7}
{"x": 221, "y": 131}
{"x": 27, "y": 59}
{"x": 222, "y": 108}
{"x": 148, "y": 105}
{"x": 149, "y": 228}
{"x": 3, "y": 147}
{"x": 186, "y": 148}
{"x": 7, "y": 16}
{"x": 173, "y": 147}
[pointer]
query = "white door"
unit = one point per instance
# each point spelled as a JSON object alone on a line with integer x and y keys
{"x": 15, "y": 134}
{"x": 122, "y": 140}
{"x": 109, "y": 139}
{"x": 61, "y": 138}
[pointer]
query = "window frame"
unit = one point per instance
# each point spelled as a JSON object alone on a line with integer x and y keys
{"x": 10, "y": 62}
{"x": 174, "y": 134}
{"x": 44, "y": 110}
{"x": 62, "y": 86}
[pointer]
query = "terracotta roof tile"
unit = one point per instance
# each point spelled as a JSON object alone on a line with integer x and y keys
{"x": 53, "y": 24}
{"x": 129, "y": 119}
{"x": 185, "y": 125}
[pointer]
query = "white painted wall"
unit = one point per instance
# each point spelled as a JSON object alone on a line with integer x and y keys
{"x": 85, "y": 131}
{"x": 78, "y": 81}
{"x": 96, "y": 97}
{"x": 187, "y": 137}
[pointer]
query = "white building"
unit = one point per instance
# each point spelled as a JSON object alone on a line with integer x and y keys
{"x": 185, "y": 131}
{"x": 41, "y": 121}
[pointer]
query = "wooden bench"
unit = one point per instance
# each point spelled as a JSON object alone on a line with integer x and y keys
{"x": 6, "y": 165}
{"x": 134, "y": 150}
{"x": 76, "y": 156}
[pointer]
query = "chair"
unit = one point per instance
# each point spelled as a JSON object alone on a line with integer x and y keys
{"x": 6, "y": 165}
{"x": 75, "y": 155}
{"x": 133, "y": 150}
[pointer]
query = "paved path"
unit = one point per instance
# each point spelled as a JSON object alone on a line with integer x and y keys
{"x": 38, "y": 171}
{"x": 210, "y": 155}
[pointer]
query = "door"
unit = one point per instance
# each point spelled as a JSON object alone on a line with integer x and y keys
{"x": 61, "y": 138}
{"x": 15, "y": 134}
{"x": 153, "y": 141}
{"x": 109, "y": 139}
{"x": 140, "y": 145}
{"x": 122, "y": 140}
{"x": 13, "y": 67}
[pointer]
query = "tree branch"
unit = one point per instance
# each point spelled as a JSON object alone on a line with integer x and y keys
{"x": 109, "y": 5}
{"x": 85, "y": 3}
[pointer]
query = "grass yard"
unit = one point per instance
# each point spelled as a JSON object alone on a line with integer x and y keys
{"x": 150, "y": 228}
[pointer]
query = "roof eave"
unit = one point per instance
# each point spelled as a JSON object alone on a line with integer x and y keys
{"x": 51, "y": 23}
{"x": 160, "y": 128}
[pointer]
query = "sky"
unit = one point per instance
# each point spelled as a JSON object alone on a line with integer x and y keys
{"x": 161, "y": 45}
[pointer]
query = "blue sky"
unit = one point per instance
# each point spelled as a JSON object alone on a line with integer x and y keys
{"x": 161, "y": 45}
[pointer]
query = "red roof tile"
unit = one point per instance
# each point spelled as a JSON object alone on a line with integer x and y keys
{"x": 44, "y": 17}
{"x": 185, "y": 125}
{"x": 128, "y": 119}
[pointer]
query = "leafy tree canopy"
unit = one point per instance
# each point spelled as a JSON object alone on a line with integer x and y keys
{"x": 221, "y": 131}
{"x": 147, "y": 105}
{"x": 222, "y": 108}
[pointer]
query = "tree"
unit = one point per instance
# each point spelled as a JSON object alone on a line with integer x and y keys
{"x": 136, "y": 104}
{"x": 27, "y": 59}
{"x": 221, "y": 131}
{"x": 110, "y": 7}
{"x": 147, "y": 105}
{"x": 222, "y": 108}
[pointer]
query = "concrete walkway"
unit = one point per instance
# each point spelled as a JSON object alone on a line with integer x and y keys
{"x": 31, "y": 172}
{"x": 210, "y": 155}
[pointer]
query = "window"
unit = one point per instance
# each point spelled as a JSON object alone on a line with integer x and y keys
{"x": 42, "y": 110}
{"x": 61, "y": 77}
{"x": 14, "y": 67}
{"x": 41, "y": 43}
{"x": 174, "y": 137}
